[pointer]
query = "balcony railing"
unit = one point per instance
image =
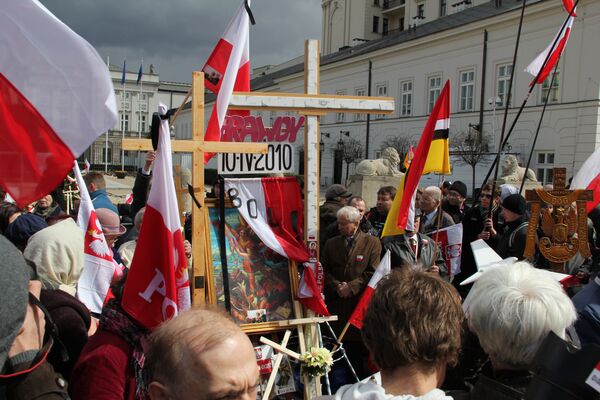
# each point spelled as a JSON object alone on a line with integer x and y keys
{"x": 387, "y": 4}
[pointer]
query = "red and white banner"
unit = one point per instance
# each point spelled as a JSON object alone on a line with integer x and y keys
{"x": 569, "y": 5}
{"x": 310, "y": 288}
{"x": 273, "y": 208}
{"x": 555, "y": 52}
{"x": 383, "y": 269}
{"x": 56, "y": 97}
{"x": 228, "y": 69}
{"x": 449, "y": 242}
{"x": 157, "y": 286}
{"x": 588, "y": 177}
{"x": 98, "y": 264}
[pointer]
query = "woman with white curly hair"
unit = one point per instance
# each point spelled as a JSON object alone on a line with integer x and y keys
{"x": 512, "y": 309}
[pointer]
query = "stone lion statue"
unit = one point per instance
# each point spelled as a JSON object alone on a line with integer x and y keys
{"x": 512, "y": 172}
{"x": 384, "y": 166}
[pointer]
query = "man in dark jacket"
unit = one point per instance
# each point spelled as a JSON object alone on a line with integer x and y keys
{"x": 378, "y": 214}
{"x": 336, "y": 197}
{"x": 430, "y": 206}
{"x": 512, "y": 241}
{"x": 454, "y": 203}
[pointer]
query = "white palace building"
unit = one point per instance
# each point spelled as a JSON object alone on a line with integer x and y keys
{"x": 413, "y": 46}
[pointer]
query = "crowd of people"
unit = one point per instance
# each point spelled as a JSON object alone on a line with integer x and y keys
{"x": 429, "y": 337}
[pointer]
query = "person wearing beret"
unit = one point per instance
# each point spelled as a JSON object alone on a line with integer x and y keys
{"x": 512, "y": 241}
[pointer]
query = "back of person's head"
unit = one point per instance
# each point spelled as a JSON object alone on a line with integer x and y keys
{"x": 414, "y": 319}
{"x": 139, "y": 217}
{"x": 512, "y": 309}
{"x": 13, "y": 286}
{"x": 350, "y": 213}
{"x": 8, "y": 211}
{"x": 95, "y": 178}
{"x": 178, "y": 347}
{"x": 23, "y": 228}
{"x": 57, "y": 252}
{"x": 389, "y": 190}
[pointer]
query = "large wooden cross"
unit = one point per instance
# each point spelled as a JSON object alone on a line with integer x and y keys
{"x": 197, "y": 146}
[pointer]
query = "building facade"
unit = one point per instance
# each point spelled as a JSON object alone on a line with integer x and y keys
{"x": 471, "y": 46}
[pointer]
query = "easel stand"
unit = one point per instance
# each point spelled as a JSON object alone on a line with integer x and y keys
{"x": 340, "y": 346}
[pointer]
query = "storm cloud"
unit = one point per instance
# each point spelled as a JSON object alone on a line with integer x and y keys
{"x": 177, "y": 36}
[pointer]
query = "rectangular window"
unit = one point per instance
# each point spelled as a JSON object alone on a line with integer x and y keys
{"x": 406, "y": 93}
{"x": 375, "y": 24}
{"x": 421, "y": 11}
{"x": 381, "y": 90}
{"x": 124, "y": 122}
{"x": 467, "y": 90}
{"x": 340, "y": 117}
{"x": 142, "y": 123}
{"x": 503, "y": 72}
{"x": 384, "y": 26}
{"x": 360, "y": 92}
{"x": 434, "y": 87}
{"x": 545, "y": 167}
{"x": 126, "y": 95}
{"x": 554, "y": 91}
{"x": 105, "y": 152}
{"x": 442, "y": 8}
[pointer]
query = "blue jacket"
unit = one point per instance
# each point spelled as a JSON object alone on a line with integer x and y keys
{"x": 587, "y": 303}
{"x": 100, "y": 200}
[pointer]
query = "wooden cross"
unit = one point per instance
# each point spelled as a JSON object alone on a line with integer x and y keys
{"x": 564, "y": 229}
{"x": 197, "y": 146}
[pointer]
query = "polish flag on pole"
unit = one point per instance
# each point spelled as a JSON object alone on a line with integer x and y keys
{"x": 228, "y": 69}
{"x": 310, "y": 289}
{"x": 383, "y": 269}
{"x": 569, "y": 5}
{"x": 157, "y": 287}
{"x": 588, "y": 177}
{"x": 56, "y": 98}
{"x": 550, "y": 55}
{"x": 98, "y": 264}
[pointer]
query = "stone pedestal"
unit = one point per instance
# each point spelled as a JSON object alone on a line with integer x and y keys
{"x": 528, "y": 184}
{"x": 367, "y": 186}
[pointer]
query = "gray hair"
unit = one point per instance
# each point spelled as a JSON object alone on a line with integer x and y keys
{"x": 350, "y": 213}
{"x": 513, "y": 308}
{"x": 137, "y": 220}
{"x": 435, "y": 193}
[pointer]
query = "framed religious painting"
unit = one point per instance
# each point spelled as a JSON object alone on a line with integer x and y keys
{"x": 262, "y": 284}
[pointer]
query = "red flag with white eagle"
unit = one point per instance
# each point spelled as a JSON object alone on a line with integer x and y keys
{"x": 273, "y": 209}
{"x": 99, "y": 267}
{"x": 227, "y": 70}
{"x": 588, "y": 177}
{"x": 548, "y": 58}
{"x": 157, "y": 287}
{"x": 56, "y": 97}
{"x": 383, "y": 269}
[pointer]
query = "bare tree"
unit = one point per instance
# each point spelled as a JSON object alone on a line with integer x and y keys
{"x": 470, "y": 148}
{"x": 400, "y": 143}
{"x": 353, "y": 151}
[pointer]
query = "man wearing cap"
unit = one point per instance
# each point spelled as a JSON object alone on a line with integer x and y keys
{"x": 378, "y": 214}
{"x": 512, "y": 241}
{"x": 24, "y": 371}
{"x": 454, "y": 203}
{"x": 336, "y": 197}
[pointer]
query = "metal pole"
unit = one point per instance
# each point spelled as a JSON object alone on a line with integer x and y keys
{"x": 368, "y": 133}
{"x": 106, "y": 137}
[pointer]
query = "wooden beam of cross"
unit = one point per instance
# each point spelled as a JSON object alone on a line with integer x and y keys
{"x": 197, "y": 146}
{"x": 313, "y": 105}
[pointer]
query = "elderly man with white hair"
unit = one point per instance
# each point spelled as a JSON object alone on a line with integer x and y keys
{"x": 430, "y": 206}
{"x": 512, "y": 309}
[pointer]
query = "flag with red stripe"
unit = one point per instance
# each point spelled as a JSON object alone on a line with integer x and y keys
{"x": 56, "y": 97}
{"x": 401, "y": 214}
{"x": 273, "y": 209}
{"x": 157, "y": 287}
{"x": 383, "y": 269}
{"x": 588, "y": 177}
{"x": 227, "y": 70}
{"x": 550, "y": 55}
{"x": 310, "y": 288}
{"x": 569, "y": 5}
{"x": 99, "y": 267}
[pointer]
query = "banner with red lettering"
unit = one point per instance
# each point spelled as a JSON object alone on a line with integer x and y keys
{"x": 157, "y": 286}
{"x": 449, "y": 241}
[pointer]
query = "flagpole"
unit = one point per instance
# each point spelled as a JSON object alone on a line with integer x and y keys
{"x": 342, "y": 334}
{"x": 141, "y": 75}
{"x": 537, "y": 132}
{"x": 123, "y": 118}
{"x": 106, "y": 137}
{"x": 520, "y": 111}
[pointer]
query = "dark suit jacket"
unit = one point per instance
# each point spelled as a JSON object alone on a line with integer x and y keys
{"x": 431, "y": 226}
{"x": 402, "y": 253}
{"x": 354, "y": 265}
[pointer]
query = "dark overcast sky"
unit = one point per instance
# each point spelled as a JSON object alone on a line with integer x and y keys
{"x": 178, "y": 35}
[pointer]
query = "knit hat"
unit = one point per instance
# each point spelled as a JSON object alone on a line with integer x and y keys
{"x": 337, "y": 190}
{"x": 515, "y": 203}
{"x": 111, "y": 224}
{"x": 14, "y": 288}
{"x": 459, "y": 187}
{"x": 21, "y": 229}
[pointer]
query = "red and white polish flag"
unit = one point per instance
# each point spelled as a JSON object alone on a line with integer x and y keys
{"x": 551, "y": 53}
{"x": 383, "y": 269}
{"x": 157, "y": 286}
{"x": 310, "y": 288}
{"x": 228, "y": 69}
{"x": 569, "y": 4}
{"x": 99, "y": 267}
{"x": 588, "y": 177}
{"x": 273, "y": 209}
{"x": 56, "y": 97}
